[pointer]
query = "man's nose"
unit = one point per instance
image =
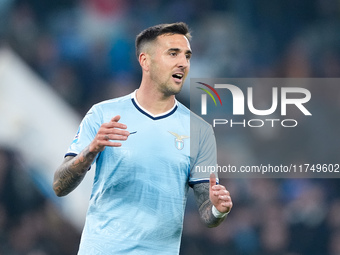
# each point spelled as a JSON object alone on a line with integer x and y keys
{"x": 183, "y": 62}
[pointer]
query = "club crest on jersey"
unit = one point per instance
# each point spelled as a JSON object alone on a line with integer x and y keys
{"x": 179, "y": 143}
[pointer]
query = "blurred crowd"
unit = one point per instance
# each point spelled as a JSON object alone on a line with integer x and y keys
{"x": 30, "y": 223}
{"x": 84, "y": 49}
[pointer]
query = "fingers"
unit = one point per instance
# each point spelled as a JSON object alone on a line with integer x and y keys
{"x": 222, "y": 194}
{"x": 223, "y": 201}
{"x": 114, "y": 123}
{"x": 108, "y": 135}
{"x": 226, "y": 205}
{"x": 212, "y": 180}
{"x": 115, "y": 118}
{"x": 220, "y": 197}
{"x": 113, "y": 133}
{"x": 114, "y": 130}
{"x": 214, "y": 187}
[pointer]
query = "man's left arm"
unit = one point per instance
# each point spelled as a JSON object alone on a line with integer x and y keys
{"x": 213, "y": 200}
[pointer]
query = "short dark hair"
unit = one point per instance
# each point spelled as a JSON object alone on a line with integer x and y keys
{"x": 153, "y": 32}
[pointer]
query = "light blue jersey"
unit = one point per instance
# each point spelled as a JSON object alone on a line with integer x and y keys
{"x": 140, "y": 189}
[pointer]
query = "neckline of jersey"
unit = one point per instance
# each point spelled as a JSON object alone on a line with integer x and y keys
{"x": 149, "y": 114}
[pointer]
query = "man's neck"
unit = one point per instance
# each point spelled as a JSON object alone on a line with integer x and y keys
{"x": 154, "y": 101}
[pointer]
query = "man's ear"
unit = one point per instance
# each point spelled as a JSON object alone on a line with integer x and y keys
{"x": 144, "y": 61}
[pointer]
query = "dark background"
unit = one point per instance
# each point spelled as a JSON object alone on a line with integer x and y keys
{"x": 84, "y": 50}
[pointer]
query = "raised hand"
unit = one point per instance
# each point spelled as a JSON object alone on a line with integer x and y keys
{"x": 107, "y": 134}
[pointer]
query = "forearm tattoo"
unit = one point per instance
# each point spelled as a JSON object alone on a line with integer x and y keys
{"x": 201, "y": 191}
{"x": 70, "y": 174}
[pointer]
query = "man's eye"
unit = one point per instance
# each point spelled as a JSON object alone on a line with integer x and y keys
{"x": 188, "y": 56}
{"x": 173, "y": 54}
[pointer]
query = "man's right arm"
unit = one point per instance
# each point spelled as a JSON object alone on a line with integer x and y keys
{"x": 73, "y": 169}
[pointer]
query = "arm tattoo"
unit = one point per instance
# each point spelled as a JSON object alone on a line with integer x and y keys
{"x": 73, "y": 170}
{"x": 201, "y": 191}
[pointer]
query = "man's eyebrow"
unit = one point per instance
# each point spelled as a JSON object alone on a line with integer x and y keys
{"x": 174, "y": 49}
{"x": 178, "y": 50}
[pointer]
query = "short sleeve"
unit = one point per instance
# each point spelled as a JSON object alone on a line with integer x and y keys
{"x": 87, "y": 130}
{"x": 203, "y": 153}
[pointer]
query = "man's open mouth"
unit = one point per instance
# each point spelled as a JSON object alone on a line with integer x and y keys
{"x": 178, "y": 76}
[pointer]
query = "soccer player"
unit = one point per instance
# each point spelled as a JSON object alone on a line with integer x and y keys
{"x": 146, "y": 147}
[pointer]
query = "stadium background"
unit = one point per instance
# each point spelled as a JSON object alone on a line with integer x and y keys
{"x": 57, "y": 58}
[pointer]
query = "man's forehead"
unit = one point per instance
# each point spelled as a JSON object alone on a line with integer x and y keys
{"x": 174, "y": 41}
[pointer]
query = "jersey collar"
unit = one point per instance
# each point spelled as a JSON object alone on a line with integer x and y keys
{"x": 149, "y": 114}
